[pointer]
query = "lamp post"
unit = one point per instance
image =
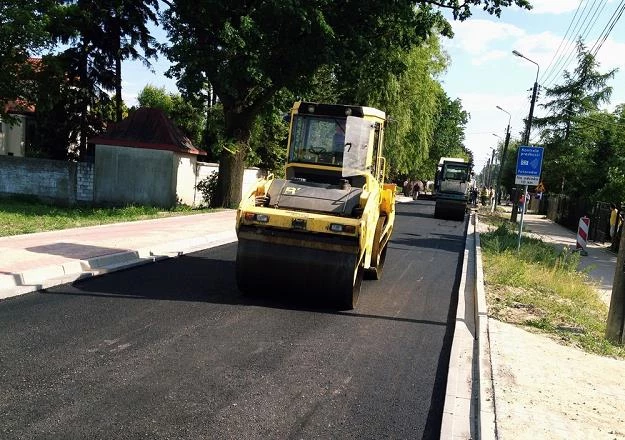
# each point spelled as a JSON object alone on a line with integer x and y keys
{"x": 503, "y": 157}
{"x": 492, "y": 166}
{"x": 526, "y": 139}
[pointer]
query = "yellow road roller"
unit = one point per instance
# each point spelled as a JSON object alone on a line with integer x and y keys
{"x": 327, "y": 224}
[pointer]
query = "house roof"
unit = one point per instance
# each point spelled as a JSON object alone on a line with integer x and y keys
{"x": 19, "y": 107}
{"x": 147, "y": 128}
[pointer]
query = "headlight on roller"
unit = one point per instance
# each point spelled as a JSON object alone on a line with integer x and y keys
{"x": 337, "y": 227}
{"x": 261, "y": 218}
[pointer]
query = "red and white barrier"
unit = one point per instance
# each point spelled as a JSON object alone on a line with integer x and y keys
{"x": 582, "y": 234}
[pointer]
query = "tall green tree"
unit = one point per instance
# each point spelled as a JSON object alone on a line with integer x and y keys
{"x": 605, "y": 169}
{"x": 248, "y": 51}
{"x": 100, "y": 34}
{"x": 448, "y": 136}
{"x": 23, "y": 33}
{"x": 566, "y": 145}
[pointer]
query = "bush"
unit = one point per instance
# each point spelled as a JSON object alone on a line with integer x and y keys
{"x": 208, "y": 188}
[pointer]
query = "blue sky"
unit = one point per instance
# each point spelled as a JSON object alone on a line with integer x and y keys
{"x": 483, "y": 72}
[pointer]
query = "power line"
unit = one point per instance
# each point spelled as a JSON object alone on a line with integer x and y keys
{"x": 582, "y": 36}
{"x": 576, "y": 26}
{"x": 615, "y": 18}
{"x": 563, "y": 39}
{"x": 585, "y": 34}
{"x": 616, "y": 15}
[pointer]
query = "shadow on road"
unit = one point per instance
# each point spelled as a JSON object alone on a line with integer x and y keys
{"x": 206, "y": 279}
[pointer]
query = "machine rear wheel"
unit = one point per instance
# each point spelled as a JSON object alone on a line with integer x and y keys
{"x": 378, "y": 254}
{"x": 349, "y": 298}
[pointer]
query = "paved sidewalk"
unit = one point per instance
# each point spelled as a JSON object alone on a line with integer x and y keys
{"x": 543, "y": 389}
{"x": 37, "y": 261}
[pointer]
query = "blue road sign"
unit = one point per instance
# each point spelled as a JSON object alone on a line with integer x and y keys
{"x": 528, "y": 165}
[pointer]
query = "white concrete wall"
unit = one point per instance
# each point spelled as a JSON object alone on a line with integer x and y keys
{"x": 185, "y": 181}
{"x": 12, "y": 137}
{"x": 135, "y": 176}
{"x": 250, "y": 176}
{"x": 204, "y": 169}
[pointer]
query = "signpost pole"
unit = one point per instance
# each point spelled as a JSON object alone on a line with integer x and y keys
{"x": 518, "y": 246}
{"x": 528, "y": 167}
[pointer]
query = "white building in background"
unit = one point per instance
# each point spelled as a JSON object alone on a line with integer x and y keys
{"x": 15, "y": 135}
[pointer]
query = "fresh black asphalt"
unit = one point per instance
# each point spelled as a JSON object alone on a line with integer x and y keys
{"x": 172, "y": 350}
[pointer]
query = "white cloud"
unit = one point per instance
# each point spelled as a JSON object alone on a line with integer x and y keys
{"x": 554, "y": 6}
{"x": 610, "y": 55}
{"x": 489, "y": 56}
{"x": 476, "y": 36}
{"x": 487, "y": 121}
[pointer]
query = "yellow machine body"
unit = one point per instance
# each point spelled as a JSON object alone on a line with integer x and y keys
{"x": 328, "y": 222}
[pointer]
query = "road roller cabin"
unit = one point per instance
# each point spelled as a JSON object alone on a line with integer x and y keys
{"x": 325, "y": 225}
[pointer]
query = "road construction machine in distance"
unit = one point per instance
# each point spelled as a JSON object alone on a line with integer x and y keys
{"x": 324, "y": 226}
{"x": 451, "y": 185}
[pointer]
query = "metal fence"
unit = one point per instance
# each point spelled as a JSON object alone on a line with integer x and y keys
{"x": 567, "y": 211}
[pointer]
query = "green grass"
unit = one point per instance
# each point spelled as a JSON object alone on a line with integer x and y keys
{"x": 540, "y": 287}
{"x": 25, "y": 215}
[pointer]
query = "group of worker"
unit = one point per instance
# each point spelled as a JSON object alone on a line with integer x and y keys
{"x": 412, "y": 188}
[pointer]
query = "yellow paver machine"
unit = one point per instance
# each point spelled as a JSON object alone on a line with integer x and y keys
{"x": 328, "y": 222}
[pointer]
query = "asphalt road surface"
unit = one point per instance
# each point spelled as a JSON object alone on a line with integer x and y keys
{"x": 172, "y": 350}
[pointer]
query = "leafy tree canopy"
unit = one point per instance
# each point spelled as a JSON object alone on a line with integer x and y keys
{"x": 22, "y": 34}
{"x": 189, "y": 119}
{"x": 569, "y": 141}
{"x": 249, "y": 51}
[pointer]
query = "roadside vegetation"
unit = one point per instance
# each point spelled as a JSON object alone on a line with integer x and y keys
{"x": 540, "y": 287}
{"x": 25, "y": 215}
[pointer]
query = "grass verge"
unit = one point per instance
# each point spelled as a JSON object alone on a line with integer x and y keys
{"x": 540, "y": 287}
{"x": 25, "y": 216}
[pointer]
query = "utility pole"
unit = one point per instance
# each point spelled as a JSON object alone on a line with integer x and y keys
{"x": 502, "y": 161}
{"x": 615, "y": 326}
{"x": 492, "y": 166}
{"x": 526, "y": 139}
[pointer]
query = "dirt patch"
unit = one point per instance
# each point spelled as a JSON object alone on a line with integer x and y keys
{"x": 545, "y": 390}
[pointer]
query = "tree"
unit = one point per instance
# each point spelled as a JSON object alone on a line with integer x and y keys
{"x": 127, "y": 24}
{"x": 410, "y": 96}
{"x": 22, "y": 33}
{"x": 566, "y": 146}
{"x": 188, "y": 118}
{"x": 448, "y": 134}
{"x": 247, "y": 52}
{"x": 101, "y": 33}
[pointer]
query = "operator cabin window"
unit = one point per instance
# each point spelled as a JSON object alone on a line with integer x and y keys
{"x": 319, "y": 140}
{"x": 454, "y": 174}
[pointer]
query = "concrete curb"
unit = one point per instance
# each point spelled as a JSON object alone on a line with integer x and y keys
{"x": 460, "y": 397}
{"x": 45, "y": 277}
{"x": 487, "y": 423}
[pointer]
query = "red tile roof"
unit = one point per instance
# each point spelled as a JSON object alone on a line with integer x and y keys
{"x": 19, "y": 107}
{"x": 147, "y": 128}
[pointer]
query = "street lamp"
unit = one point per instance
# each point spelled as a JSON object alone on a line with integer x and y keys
{"x": 526, "y": 139}
{"x": 490, "y": 169}
{"x": 503, "y": 157}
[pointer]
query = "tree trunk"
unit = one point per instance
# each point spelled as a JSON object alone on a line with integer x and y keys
{"x": 118, "y": 88}
{"x": 615, "y": 327}
{"x": 84, "y": 104}
{"x": 118, "y": 70}
{"x": 232, "y": 163}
